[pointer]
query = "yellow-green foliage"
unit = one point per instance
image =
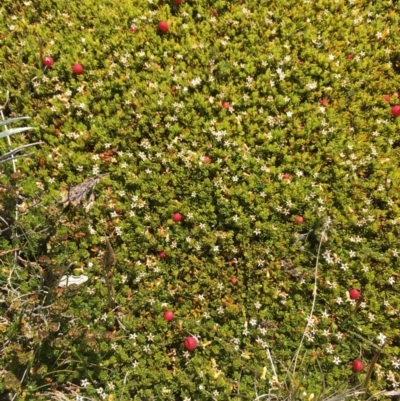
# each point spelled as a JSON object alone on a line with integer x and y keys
{"x": 285, "y": 98}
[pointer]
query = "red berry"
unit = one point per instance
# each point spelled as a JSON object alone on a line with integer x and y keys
{"x": 48, "y": 62}
{"x": 286, "y": 176}
{"x": 386, "y": 98}
{"x": 324, "y": 102}
{"x": 178, "y": 1}
{"x": 177, "y": 217}
{"x": 77, "y": 69}
{"x": 168, "y": 315}
{"x": 162, "y": 254}
{"x": 215, "y": 11}
{"x": 226, "y": 105}
{"x": 234, "y": 280}
{"x": 349, "y": 57}
{"x": 354, "y": 294}
{"x": 299, "y": 220}
{"x": 357, "y": 365}
{"x": 190, "y": 343}
{"x": 163, "y": 26}
{"x": 133, "y": 28}
{"x": 396, "y": 111}
{"x": 206, "y": 159}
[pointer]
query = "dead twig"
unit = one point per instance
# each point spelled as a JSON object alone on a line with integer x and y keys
{"x": 107, "y": 264}
{"x": 77, "y": 194}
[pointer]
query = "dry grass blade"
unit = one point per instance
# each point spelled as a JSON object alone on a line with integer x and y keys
{"x": 309, "y": 320}
{"x": 9, "y": 251}
{"x": 78, "y": 193}
{"x": 391, "y": 393}
{"x": 12, "y": 154}
{"x": 371, "y": 368}
{"x": 57, "y": 395}
{"x": 346, "y": 394}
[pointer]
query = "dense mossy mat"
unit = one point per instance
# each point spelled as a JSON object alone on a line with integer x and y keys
{"x": 269, "y": 126}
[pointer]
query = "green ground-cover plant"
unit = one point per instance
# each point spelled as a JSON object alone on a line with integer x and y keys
{"x": 264, "y": 124}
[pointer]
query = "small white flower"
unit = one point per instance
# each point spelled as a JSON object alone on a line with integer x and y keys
{"x": 84, "y": 383}
{"x": 329, "y": 349}
{"x": 311, "y": 85}
{"x": 396, "y": 363}
{"x": 381, "y": 337}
